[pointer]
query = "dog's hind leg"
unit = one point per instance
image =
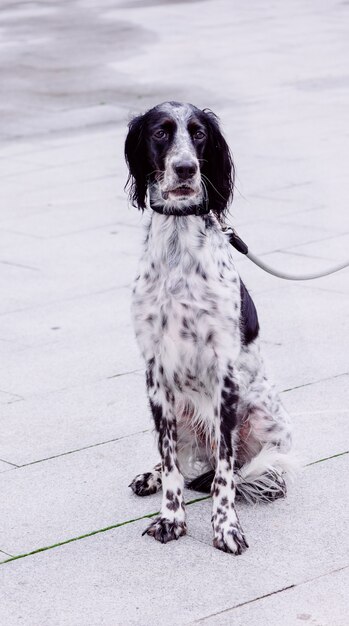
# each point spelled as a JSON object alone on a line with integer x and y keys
{"x": 264, "y": 446}
{"x": 148, "y": 483}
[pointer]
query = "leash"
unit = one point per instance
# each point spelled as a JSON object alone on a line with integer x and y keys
{"x": 242, "y": 247}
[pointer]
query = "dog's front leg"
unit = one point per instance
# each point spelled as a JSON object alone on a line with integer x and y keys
{"x": 171, "y": 522}
{"x": 227, "y": 533}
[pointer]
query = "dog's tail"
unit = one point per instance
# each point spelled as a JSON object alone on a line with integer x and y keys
{"x": 259, "y": 480}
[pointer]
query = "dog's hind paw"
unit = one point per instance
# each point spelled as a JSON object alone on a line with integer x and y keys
{"x": 165, "y": 530}
{"x": 230, "y": 539}
{"x": 146, "y": 484}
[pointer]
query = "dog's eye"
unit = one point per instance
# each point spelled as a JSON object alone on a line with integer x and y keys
{"x": 198, "y": 134}
{"x": 160, "y": 134}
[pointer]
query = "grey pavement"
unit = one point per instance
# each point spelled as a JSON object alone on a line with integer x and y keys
{"x": 75, "y": 426}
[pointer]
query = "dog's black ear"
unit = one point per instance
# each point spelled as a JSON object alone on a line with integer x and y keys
{"x": 137, "y": 161}
{"x": 218, "y": 167}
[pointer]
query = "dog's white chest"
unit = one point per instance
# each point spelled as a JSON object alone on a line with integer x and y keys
{"x": 184, "y": 305}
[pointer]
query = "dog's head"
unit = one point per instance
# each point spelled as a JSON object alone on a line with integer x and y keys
{"x": 178, "y": 154}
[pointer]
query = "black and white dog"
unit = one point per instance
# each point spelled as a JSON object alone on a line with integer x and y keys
{"x": 220, "y": 424}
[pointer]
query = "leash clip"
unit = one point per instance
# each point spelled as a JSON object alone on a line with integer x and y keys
{"x": 235, "y": 240}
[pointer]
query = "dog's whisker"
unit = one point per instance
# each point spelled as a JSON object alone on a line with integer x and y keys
{"x": 212, "y": 185}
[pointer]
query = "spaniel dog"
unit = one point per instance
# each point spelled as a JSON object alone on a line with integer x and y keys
{"x": 220, "y": 424}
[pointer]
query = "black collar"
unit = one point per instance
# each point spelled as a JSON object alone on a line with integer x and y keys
{"x": 191, "y": 210}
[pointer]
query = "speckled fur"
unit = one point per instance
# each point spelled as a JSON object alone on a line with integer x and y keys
{"x": 212, "y": 404}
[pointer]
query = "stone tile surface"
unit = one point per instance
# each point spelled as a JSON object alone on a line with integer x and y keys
{"x": 80, "y": 416}
{"x": 119, "y": 577}
{"x": 299, "y": 323}
{"x": 71, "y": 495}
{"x": 300, "y": 604}
{"x": 4, "y": 466}
{"x": 80, "y": 383}
{"x": 87, "y": 490}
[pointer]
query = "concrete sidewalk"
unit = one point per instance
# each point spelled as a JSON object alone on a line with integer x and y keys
{"x": 75, "y": 422}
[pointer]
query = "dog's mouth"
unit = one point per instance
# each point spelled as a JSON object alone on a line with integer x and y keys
{"x": 182, "y": 191}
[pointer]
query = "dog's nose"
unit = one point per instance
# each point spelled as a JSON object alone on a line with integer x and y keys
{"x": 185, "y": 169}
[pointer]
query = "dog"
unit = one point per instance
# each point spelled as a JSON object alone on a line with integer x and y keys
{"x": 220, "y": 424}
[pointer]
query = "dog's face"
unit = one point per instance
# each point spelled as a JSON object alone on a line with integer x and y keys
{"x": 176, "y": 144}
{"x": 177, "y": 153}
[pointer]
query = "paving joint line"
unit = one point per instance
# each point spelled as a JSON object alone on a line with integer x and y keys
{"x": 305, "y": 243}
{"x": 20, "y": 265}
{"x": 140, "y": 369}
{"x": 131, "y": 521}
{"x": 68, "y": 388}
{"x": 42, "y": 305}
{"x": 326, "y": 289}
{"x": 307, "y": 256}
{"x": 327, "y": 458}
{"x": 272, "y": 593}
{"x": 9, "y": 463}
{"x": 7, "y": 553}
{"x": 315, "y": 382}
{"x": 10, "y": 393}
{"x": 91, "y": 534}
{"x": 92, "y": 445}
{"x": 138, "y": 432}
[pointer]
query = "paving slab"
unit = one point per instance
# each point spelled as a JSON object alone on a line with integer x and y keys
{"x": 323, "y": 600}
{"x": 59, "y": 364}
{"x": 325, "y": 396}
{"x": 316, "y": 420}
{"x": 330, "y": 218}
{"x": 63, "y": 366}
{"x": 299, "y": 324}
{"x": 334, "y": 248}
{"x": 71, "y": 321}
{"x": 67, "y": 420}
{"x": 68, "y": 496}
{"x": 90, "y": 262}
{"x": 121, "y": 578}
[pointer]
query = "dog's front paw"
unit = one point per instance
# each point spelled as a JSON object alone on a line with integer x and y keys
{"x": 230, "y": 538}
{"x": 165, "y": 530}
{"x": 146, "y": 484}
